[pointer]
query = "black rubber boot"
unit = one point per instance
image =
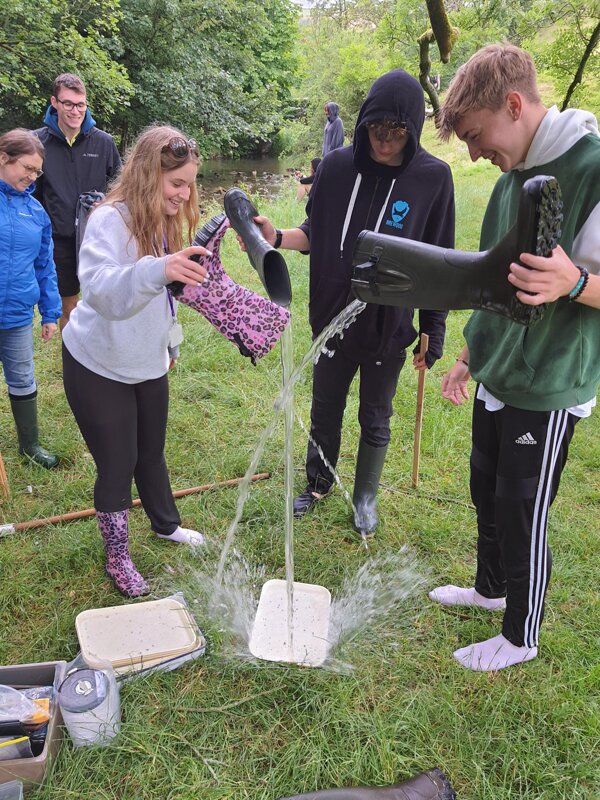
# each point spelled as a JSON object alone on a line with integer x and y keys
{"x": 430, "y": 785}
{"x": 305, "y": 501}
{"x": 369, "y": 464}
{"x": 391, "y": 271}
{"x": 268, "y": 262}
{"x": 25, "y": 414}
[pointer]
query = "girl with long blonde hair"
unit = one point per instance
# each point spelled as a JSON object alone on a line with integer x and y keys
{"x": 123, "y": 336}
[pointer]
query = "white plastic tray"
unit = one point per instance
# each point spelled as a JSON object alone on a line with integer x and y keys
{"x": 145, "y": 632}
{"x": 269, "y": 638}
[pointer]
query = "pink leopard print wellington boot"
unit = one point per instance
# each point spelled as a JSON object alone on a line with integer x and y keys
{"x": 247, "y": 319}
{"x": 114, "y": 527}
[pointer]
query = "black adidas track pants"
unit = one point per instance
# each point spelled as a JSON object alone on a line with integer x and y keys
{"x": 517, "y": 459}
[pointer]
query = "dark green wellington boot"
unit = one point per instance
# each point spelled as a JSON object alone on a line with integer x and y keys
{"x": 430, "y": 785}
{"x": 392, "y": 271}
{"x": 25, "y": 414}
{"x": 369, "y": 464}
{"x": 268, "y": 262}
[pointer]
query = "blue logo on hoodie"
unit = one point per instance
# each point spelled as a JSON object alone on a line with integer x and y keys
{"x": 399, "y": 211}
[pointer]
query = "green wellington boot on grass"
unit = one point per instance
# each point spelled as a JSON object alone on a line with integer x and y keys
{"x": 369, "y": 464}
{"x": 25, "y": 414}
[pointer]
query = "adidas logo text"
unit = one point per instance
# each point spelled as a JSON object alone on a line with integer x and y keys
{"x": 527, "y": 438}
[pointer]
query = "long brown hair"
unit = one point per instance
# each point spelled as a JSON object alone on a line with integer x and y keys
{"x": 20, "y": 142}
{"x": 139, "y": 186}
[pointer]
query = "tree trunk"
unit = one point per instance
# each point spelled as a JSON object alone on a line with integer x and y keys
{"x": 445, "y": 35}
{"x": 425, "y": 68}
{"x": 595, "y": 37}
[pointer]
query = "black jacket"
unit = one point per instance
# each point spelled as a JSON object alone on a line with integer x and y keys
{"x": 69, "y": 171}
{"x": 414, "y": 200}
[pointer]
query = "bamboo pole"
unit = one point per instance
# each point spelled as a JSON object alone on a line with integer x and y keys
{"x": 89, "y": 512}
{"x": 419, "y": 414}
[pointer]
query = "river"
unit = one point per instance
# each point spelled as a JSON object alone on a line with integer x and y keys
{"x": 262, "y": 176}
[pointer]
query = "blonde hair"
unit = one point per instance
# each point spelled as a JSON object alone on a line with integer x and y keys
{"x": 139, "y": 186}
{"x": 20, "y": 142}
{"x": 484, "y": 81}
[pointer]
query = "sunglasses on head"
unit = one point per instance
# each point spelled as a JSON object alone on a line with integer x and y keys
{"x": 181, "y": 147}
{"x": 384, "y": 130}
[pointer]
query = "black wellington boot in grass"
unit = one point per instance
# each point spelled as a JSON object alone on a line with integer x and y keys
{"x": 25, "y": 414}
{"x": 430, "y": 785}
{"x": 369, "y": 464}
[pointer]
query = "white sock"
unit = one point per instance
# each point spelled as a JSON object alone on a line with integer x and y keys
{"x": 183, "y": 536}
{"x": 496, "y": 653}
{"x": 456, "y": 596}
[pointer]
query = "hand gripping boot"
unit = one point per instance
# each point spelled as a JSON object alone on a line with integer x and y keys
{"x": 250, "y": 321}
{"x": 391, "y": 271}
{"x": 430, "y": 785}
{"x": 268, "y": 262}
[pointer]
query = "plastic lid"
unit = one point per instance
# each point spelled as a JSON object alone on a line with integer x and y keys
{"x": 128, "y": 634}
{"x": 83, "y": 690}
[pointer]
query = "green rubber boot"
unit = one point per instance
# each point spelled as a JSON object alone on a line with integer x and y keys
{"x": 25, "y": 414}
{"x": 369, "y": 464}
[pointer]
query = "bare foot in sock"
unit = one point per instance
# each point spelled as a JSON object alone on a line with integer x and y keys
{"x": 183, "y": 536}
{"x": 493, "y": 654}
{"x": 456, "y": 596}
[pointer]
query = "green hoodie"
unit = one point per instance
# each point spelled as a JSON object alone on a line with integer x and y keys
{"x": 554, "y": 363}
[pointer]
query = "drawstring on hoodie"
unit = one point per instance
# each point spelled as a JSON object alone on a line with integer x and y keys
{"x": 351, "y": 204}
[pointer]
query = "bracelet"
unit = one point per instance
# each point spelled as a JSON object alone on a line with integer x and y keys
{"x": 580, "y": 285}
{"x": 278, "y": 238}
{"x": 462, "y": 361}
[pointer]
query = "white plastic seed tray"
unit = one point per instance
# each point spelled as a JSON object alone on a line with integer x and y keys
{"x": 310, "y": 626}
{"x": 137, "y": 634}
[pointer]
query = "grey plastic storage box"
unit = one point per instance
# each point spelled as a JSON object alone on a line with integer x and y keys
{"x": 32, "y": 771}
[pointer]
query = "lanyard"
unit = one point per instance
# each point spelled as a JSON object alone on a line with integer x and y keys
{"x": 172, "y": 307}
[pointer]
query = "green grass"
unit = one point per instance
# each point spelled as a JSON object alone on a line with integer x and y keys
{"x": 227, "y": 729}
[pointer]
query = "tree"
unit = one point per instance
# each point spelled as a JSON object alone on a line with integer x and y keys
{"x": 39, "y": 40}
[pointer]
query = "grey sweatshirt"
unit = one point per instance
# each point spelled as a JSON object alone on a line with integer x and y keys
{"x": 120, "y": 328}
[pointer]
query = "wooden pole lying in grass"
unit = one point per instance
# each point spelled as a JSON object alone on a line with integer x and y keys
{"x": 419, "y": 414}
{"x": 4, "y": 487}
{"x": 89, "y": 512}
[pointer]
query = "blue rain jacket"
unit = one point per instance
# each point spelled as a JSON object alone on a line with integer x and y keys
{"x": 27, "y": 271}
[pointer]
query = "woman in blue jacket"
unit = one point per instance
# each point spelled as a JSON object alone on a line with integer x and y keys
{"x": 27, "y": 278}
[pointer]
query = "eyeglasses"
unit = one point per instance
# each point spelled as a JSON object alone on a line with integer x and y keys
{"x": 31, "y": 170}
{"x": 385, "y": 131}
{"x": 181, "y": 147}
{"x": 69, "y": 106}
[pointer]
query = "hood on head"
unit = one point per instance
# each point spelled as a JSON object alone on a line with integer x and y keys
{"x": 397, "y": 96}
{"x": 51, "y": 120}
{"x": 332, "y": 110}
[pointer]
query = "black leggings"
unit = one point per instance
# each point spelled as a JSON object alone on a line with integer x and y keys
{"x": 124, "y": 425}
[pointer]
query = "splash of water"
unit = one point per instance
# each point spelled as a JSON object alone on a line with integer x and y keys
{"x": 337, "y": 326}
{"x": 370, "y": 602}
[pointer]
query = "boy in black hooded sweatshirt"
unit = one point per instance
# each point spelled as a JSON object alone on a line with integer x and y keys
{"x": 385, "y": 181}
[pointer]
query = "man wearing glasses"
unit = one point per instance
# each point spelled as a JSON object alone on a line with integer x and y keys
{"x": 79, "y": 158}
{"x": 385, "y": 181}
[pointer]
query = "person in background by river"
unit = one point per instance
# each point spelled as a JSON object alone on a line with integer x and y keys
{"x": 333, "y": 135}
{"x": 306, "y": 181}
{"x": 27, "y": 278}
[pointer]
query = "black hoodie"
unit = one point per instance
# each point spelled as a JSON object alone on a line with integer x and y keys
{"x": 352, "y": 193}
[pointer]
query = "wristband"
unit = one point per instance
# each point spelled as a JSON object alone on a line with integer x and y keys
{"x": 462, "y": 361}
{"x": 278, "y": 238}
{"x": 580, "y": 285}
